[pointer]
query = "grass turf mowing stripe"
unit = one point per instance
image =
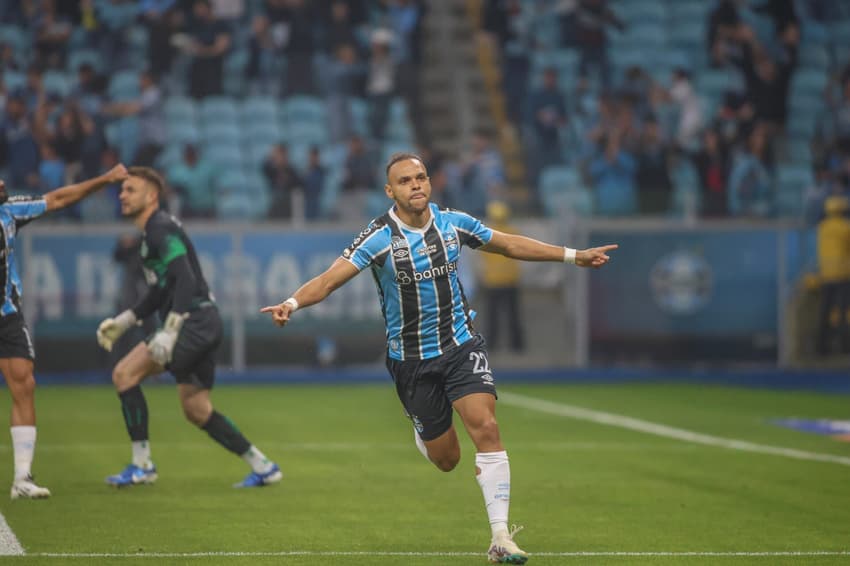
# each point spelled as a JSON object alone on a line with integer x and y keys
{"x": 9, "y": 543}
{"x": 600, "y": 417}
{"x": 329, "y": 553}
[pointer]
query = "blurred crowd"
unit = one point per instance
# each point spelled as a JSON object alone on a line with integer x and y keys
{"x": 632, "y": 132}
{"x": 71, "y": 71}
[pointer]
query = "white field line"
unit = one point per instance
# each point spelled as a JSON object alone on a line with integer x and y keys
{"x": 580, "y": 413}
{"x": 319, "y": 553}
{"x": 204, "y": 445}
{"x": 9, "y": 543}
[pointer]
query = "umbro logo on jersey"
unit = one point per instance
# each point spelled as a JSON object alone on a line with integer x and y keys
{"x": 401, "y": 253}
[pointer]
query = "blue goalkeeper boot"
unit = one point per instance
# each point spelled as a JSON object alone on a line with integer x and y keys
{"x": 254, "y": 479}
{"x": 133, "y": 475}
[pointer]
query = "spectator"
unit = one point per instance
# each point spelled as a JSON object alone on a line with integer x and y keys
{"x": 314, "y": 185}
{"x": 381, "y": 82}
{"x": 283, "y": 181}
{"x": 89, "y": 90}
{"x": 503, "y": 20}
{"x": 299, "y": 47}
{"x": 68, "y": 139}
{"x": 653, "y": 175}
{"x": 358, "y": 180}
{"x": 768, "y": 80}
{"x": 51, "y": 36}
{"x": 749, "y": 180}
{"x": 51, "y": 170}
{"x": 483, "y": 177}
{"x": 208, "y": 43}
{"x": 500, "y": 278}
{"x": 149, "y": 109}
{"x": 724, "y": 27}
{"x": 592, "y": 17}
{"x": 339, "y": 28}
{"x": 18, "y": 148}
{"x": 689, "y": 109}
{"x": 194, "y": 179}
{"x": 162, "y": 20}
{"x": 345, "y": 76}
{"x": 712, "y": 164}
{"x": 548, "y": 116}
{"x": 834, "y": 264}
{"x": 613, "y": 173}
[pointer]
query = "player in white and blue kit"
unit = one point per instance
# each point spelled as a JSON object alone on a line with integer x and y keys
{"x": 16, "y": 348}
{"x": 436, "y": 358}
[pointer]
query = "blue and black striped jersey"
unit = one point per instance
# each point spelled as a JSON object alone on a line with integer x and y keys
{"x": 14, "y": 213}
{"x": 415, "y": 269}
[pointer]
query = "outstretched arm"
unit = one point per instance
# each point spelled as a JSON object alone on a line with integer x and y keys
{"x": 528, "y": 249}
{"x": 66, "y": 196}
{"x": 313, "y": 291}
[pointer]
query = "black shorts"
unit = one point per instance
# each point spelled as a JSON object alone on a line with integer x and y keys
{"x": 15, "y": 338}
{"x": 193, "y": 359}
{"x": 427, "y": 388}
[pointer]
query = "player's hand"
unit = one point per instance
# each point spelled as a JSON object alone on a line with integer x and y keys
{"x": 117, "y": 174}
{"x": 280, "y": 313}
{"x": 111, "y": 329}
{"x": 161, "y": 346}
{"x": 594, "y": 257}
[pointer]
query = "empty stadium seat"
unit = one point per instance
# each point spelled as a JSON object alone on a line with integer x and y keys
{"x": 180, "y": 109}
{"x": 124, "y": 86}
{"x": 219, "y": 109}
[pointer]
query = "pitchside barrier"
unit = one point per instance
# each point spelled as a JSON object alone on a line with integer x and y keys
{"x": 674, "y": 292}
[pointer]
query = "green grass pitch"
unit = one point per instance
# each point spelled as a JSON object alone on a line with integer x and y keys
{"x": 354, "y": 482}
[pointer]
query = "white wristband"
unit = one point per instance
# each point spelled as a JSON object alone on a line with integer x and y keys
{"x": 569, "y": 255}
{"x": 293, "y": 304}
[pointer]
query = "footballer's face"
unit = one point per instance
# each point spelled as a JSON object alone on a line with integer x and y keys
{"x": 409, "y": 186}
{"x": 136, "y": 196}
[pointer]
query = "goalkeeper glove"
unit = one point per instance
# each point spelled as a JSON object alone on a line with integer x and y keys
{"x": 111, "y": 329}
{"x": 161, "y": 346}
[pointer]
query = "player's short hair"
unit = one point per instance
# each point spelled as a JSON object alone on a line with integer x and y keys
{"x": 150, "y": 175}
{"x": 401, "y": 156}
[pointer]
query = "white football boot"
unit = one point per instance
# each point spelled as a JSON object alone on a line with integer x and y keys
{"x": 26, "y": 488}
{"x": 503, "y": 549}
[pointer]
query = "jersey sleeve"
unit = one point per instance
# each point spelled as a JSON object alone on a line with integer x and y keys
{"x": 471, "y": 231}
{"x": 370, "y": 246}
{"x": 25, "y": 209}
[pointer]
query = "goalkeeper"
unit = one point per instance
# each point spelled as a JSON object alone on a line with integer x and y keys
{"x": 185, "y": 345}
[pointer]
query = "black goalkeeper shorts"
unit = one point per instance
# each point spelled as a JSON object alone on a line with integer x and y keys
{"x": 193, "y": 359}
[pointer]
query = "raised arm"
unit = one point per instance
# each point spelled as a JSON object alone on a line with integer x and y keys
{"x": 528, "y": 249}
{"x": 313, "y": 291}
{"x": 66, "y": 196}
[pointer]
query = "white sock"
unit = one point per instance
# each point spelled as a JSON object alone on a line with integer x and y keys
{"x": 495, "y": 481}
{"x": 420, "y": 444}
{"x": 23, "y": 445}
{"x": 257, "y": 460}
{"x": 142, "y": 454}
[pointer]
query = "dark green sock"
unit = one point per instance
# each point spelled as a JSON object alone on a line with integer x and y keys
{"x": 222, "y": 430}
{"x": 135, "y": 410}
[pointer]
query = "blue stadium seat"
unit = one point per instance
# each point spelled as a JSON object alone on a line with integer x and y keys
{"x": 180, "y": 109}
{"x": 79, "y": 56}
{"x": 839, "y": 32}
{"x": 227, "y": 156}
{"x": 305, "y": 132}
{"x": 55, "y": 82}
{"x": 124, "y": 86}
{"x": 299, "y": 109}
{"x": 808, "y": 81}
{"x": 359, "y": 116}
{"x": 219, "y": 109}
{"x": 221, "y": 133}
{"x": 259, "y": 109}
{"x": 123, "y": 134}
{"x": 266, "y": 132}
{"x": 814, "y": 57}
{"x": 16, "y": 37}
{"x": 183, "y": 132}
{"x": 562, "y": 192}
{"x": 14, "y": 80}
{"x": 715, "y": 82}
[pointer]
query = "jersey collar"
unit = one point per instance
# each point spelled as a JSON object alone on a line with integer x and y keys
{"x": 409, "y": 228}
